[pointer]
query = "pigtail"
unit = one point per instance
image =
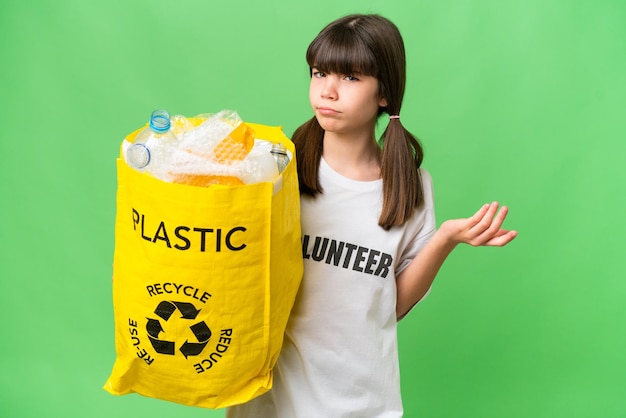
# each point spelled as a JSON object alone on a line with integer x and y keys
{"x": 308, "y": 140}
{"x": 402, "y": 186}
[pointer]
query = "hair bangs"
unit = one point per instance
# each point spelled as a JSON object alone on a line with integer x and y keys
{"x": 341, "y": 51}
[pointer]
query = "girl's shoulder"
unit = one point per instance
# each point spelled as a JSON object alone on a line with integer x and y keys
{"x": 425, "y": 175}
{"x": 427, "y": 188}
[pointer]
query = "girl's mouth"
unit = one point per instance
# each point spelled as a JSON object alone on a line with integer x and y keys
{"x": 327, "y": 111}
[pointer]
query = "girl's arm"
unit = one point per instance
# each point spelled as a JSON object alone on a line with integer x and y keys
{"x": 483, "y": 228}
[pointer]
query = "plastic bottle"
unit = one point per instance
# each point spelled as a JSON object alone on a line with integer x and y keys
{"x": 279, "y": 152}
{"x": 153, "y": 146}
{"x": 258, "y": 166}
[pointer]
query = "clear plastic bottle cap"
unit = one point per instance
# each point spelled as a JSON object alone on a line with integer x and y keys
{"x": 278, "y": 149}
{"x": 279, "y": 152}
{"x": 160, "y": 121}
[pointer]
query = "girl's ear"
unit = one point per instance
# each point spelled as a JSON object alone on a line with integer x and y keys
{"x": 382, "y": 102}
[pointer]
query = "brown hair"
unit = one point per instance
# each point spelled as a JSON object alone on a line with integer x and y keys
{"x": 370, "y": 45}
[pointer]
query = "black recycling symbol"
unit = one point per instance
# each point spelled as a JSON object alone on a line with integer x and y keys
{"x": 200, "y": 330}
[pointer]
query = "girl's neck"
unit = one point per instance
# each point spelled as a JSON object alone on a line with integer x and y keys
{"x": 357, "y": 158}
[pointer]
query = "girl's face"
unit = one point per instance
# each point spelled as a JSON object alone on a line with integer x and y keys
{"x": 345, "y": 104}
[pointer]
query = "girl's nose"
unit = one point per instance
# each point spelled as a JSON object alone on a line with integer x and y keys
{"x": 329, "y": 88}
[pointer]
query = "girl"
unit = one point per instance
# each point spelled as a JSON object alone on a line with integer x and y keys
{"x": 370, "y": 245}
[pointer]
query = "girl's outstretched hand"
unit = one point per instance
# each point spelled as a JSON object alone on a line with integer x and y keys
{"x": 483, "y": 228}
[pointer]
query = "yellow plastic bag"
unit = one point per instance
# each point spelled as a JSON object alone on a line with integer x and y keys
{"x": 204, "y": 280}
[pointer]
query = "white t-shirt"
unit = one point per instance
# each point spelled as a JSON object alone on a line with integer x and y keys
{"x": 340, "y": 356}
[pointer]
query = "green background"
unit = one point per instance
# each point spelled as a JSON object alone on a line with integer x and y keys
{"x": 518, "y": 101}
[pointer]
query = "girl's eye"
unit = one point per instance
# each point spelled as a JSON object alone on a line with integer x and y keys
{"x": 318, "y": 74}
{"x": 351, "y": 78}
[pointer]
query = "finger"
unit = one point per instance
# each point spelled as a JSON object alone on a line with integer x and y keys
{"x": 485, "y": 221}
{"x": 498, "y": 220}
{"x": 479, "y": 215}
{"x": 494, "y": 227}
{"x": 502, "y": 238}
